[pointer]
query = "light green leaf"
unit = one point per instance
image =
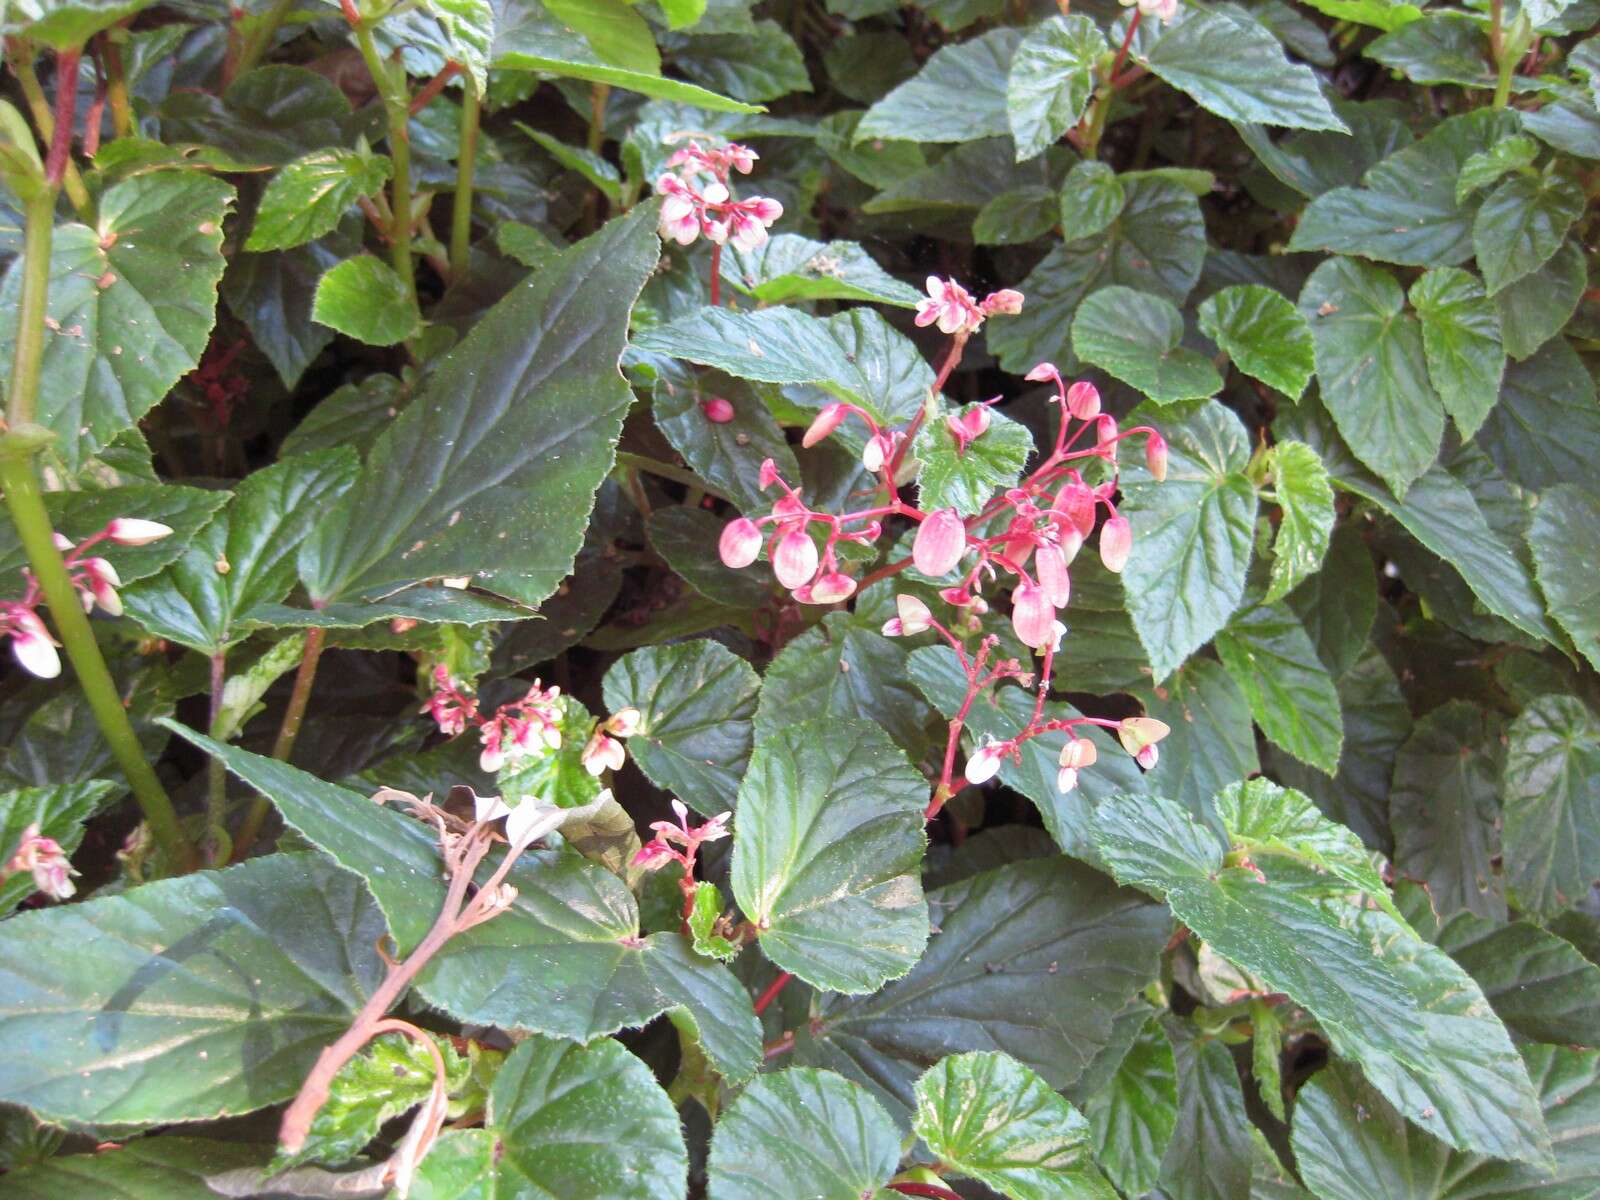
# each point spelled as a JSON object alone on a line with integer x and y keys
{"x": 1552, "y": 804}
{"x": 829, "y": 842}
{"x": 1522, "y": 222}
{"x": 365, "y": 298}
{"x": 1135, "y": 337}
{"x": 1487, "y": 166}
{"x": 987, "y": 1116}
{"x": 1381, "y": 14}
{"x": 1305, "y": 497}
{"x": 1372, "y": 369}
{"x": 490, "y": 471}
{"x": 1461, "y": 339}
{"x": 702, "y": 921}
{"x": 617, "y": 33}
{"x": 1263, "y": 818}
{"x": 1564, "y": 537}
{"x": 65, "y": 24}
{"x": 1133, "y": 1117}
{"x": 137, "y": 1008}
{"x": 1291, "y": 694}
{"x": 1191, "y": 534}
{"x": 308, "y": 197}
{"x": 468, "y": 27}
{"x": 802, "y": 1134}
{"x": 1051, "y": 78}
{"x": 59, "y": 811}
{"x": 1232, "y": 65}
{"x": 959, "y": 95}
{"x": 696, "y": 702}
{"x": 966, "y": 479}
{"x": 1264, "y": 335}
{"x": 132, "y": 303}
{"x": 1091, "y": 199}
{"x": 987, "y": 981}
{"x": 1266, "y": 1055}
{"x": 788, "y": 267}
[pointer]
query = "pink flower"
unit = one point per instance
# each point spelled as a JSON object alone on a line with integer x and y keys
{"x": 794, "y": 562}
{"x": 950, "y": 306}
{"x": 1078, "y": 752}
{"x": 103, "y": 583}
{"x": 1155, "y": 456}
{"x": 1140, "y": 733}
{"x": 1148, "y": 755}
{"x": 132, "y": 531}
{"x": 768, "y": 475}
{"x": 1032, "y": 615}
{"x": 879, "y": 449}
{"x": 1116, "y": 543}
{"x": 740, "y": 544}
{"x": 825, "y": 422}
{"x": 1105, "y": 437}
{"x": 1006, "y": 301}
{"x": 1083, "y": 401}
{"x": 1051, "y": 567}
{"x": 659, "y": 850}
{"x": 1044, "y": 373}
{"x": 1074, "y": 505}
{"x": 1066, "y": 779}
{"x": 969, "y": 426}
{"x": 984, "y": 764}
{"x": 940, "y": 542}
{"x": 602, "y": 753}
{"x": 44, "y": 858}
{"x": 749, "y": 220}
{"x": 832, "y": 588}
{"x": 717, "y": 410}
{"x": 624, "y": 723}
{"x": 30, "y": 641}
{"x": 914, "y": 618}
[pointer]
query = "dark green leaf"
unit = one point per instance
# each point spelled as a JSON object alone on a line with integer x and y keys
{"x": 268, "y": 117}
{"x": 1051, "y": 78}
{"x": 726, "y": 454}
{"x": 1263, "y": 334}
{"x": 1338, "y": 604}
{"x": 1552, "y": 804}
{"x": 308, "y": 197}
{"x": 353, "y": 415}
{"x": 1208, "y": 1157}
{"x": 687, "y": 539}
{"x": 788, "y": 267}
{"x": 1522, "y": 222}
{"x": 1134, "y": 1116}
{"x": 1441, "y": 48}
{"x": 1486, "y": 166}
{"x": 1291, "y": 694}
{"x": 1461, "y": 340}
{"x": 1015, "y": 216}
{"x": 966, "y": 479}
{"x": 1135, "y": 337}
{"x": 1546, "y": 428}
{"x": 272, "y": 294}
{"x": 696, "y": 702}
{"x": 58, "y": 811}
{"x": 959, "y": 95}
{"x": 762, "y": 63}
{"x": 365, "y": 298}
{"x": 1212, "y": 743}
{"x": 163, "y": 1168}
{"x": 1535, "y": 307}
{"x": 1564, "y": 537}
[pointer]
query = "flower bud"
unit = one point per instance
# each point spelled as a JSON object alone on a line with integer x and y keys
{"x": 832, "y": 588}
{"x": 131, "y": 531}
{"x": 718, "y": 410}
{"x": 1075, "y": 504}
{"x": 43, "y": 858}
{"x": 1105, "y": 437}
{"x": 1147, "y": 757}
{"x": 1155, "y": 456}
{"x": 1007, "y": 301}
{"x": 1116, "y": 542}
{"x": 1137, "y": 733}
{"x": 768, "y": 474}
{"x": 1071, "y": 542}
{"x": 33, "y": 645}
{"x": 1066, "y": 780}
{"x": 826, "y": 421}
{"x": 602, "y": 753}
{"x": 624, "y": 722}
{"x": 1043, "y": 373}
{"x": 878, "y": 450}
{"x": 1078, "y": 752}
{"x": 740, "y": 544}
{"x": 984, "y": 764}
{"x": 940, "y": 542}
{"x": 1032, "y": 615}
{"x": 103, "y": 584}
{"x": 1083, "y": 400}
{"x": 794, "y": 562}
{"x": 1051, "y": 568}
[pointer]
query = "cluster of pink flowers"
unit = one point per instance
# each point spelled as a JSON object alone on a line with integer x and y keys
{"x": 45, "y": 859}
{"x": 604, "y": 751}
{"x": 1030, "y": 534}
{"x": 94, "y": 578}
{"x": 663, "y": 848}
{"x": 695, "y": 205}
{"x": 529, "y": 725}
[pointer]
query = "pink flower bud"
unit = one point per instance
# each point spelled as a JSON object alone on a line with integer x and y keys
{"x": 1078, "y": 752}
{"x": 768, "y": 474}
{"x": 1116, "y": 542}
{"x": 1032, "y": 615}
{"x": 794, "y": 562}
{"x": 718, "y": 410}
{"x": 1138, "y": 733}
{"x": 1007, "y": 301}
{"x": 1083, "y": 400}
{"x": 1071, "y": 542}
{"x": 1075, "y": 503}
{"x": 103, "y": 584}
{"x": 624, "y": 722}
{"x": 940, "y": 542}
{"x": 740, "y": 544}
{"x": 879, "y": 449}
{"x": 131, "y": 531}
{"x": 1020, "y": 549}
{"x": 1105, "y": 436}
{"x": 653, "y": 854}
{"x": 832, "y": 588}
{"x": 1155, "y": 456}
{"x": 1051, "y": 568}
{"x": 1066, "y": 780}
{"x": 1043, "y": 373}
{"x": 33, "y": 645}
{"x": 1147, "y": 757}
{"x": 975, "y": 421}
{"x": 826, "y": 421}
{"x": 43, "y": 858}
{"x": 984, "y": 764}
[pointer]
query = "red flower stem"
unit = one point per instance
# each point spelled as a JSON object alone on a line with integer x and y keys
{"x": 1127, "y": 41}
{"x": 924, "y": 1189}
{"x": 66, "y": 116}
{"x": 1044, "y": 684}
{"x": 780, "y": 1046}
{"x": 771, "y": 994}
{"x": 952, "y": 359}
{"x": 716, "y": 274}
{"x": 433, "y": 87}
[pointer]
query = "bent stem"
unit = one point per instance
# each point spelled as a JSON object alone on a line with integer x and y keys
{"x": 283, "y": 746}
{"x": 390, "y": 80}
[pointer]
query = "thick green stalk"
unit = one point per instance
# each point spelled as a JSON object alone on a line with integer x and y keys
{"x": 23, "y": 404}
{"x": 391, "y": 87}
{"x": 466, "y": 160}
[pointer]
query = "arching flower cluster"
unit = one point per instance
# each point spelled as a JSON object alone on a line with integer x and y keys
{"x": 95, "y": 580}
{"x": 518, "y": 730}
{"x": 696, "y": 205}
{"x": 1025, "y": 539}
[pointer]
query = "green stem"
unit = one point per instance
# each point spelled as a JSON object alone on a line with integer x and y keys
{"x": 31, "y": 308}
{"x": 391, "y": 85}
{"x": 288, "y": 732}
{"x": 116, "y": 84}
{"x": 1502, "y": 87}
{"x": 461, "y": 217}
{"x": 1100, "y": 110}
{"x": 216, "y": 847}
{"x": 259, "y": 41}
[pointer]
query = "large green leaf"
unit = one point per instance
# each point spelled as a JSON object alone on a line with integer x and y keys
{"x": 131, "y": 306}
{"x": 826, "y": 860}
{"x": 58, "y": 810}
{"x": 802, "y": 1134}
{"x": 1135, "y": 336}
{"x": 1232, "y": 65}
{"x": 1564, "y": 537}
{"x": 1535, "y": 308}
{"x": 1051, "y": 79}
{"x": 1301, "y": 488}
{"x": 1552, "y": 804}
{"x": 1264, "y": 818}
{"x": 696, "y": 703}
{"x": 567, "y": 960}
{"x": 959, "y": 95}
{"x": 726, "y": 454}
{"x": 966, "y": 478}
{"x": 160, "y": 1168}
{"x": 1091, "y": 198}
{"x": 267, "y": 117}
{"x": 1383, "y": 997}
{"x": 1461, "y": 341}
{"x": 1372, "y": 369}
{"x": 1292, "y": 696}
{"x": 185, "y": 999}
{"x": 1208, "y": 1157}
{"x": 1191, "y": 533}
{"x": 1407, "y": 211}
{"x": 1212, "y": 742}
{"x": 1545, "y": 429}
{"x": 244, "y": 557}
{"x": 1035, "y": 959}
{"x": 1263, "y": 334}
{"x": 760, "y": 63}
{"x": 1445, "y": 809}
{"x": 1156, "y": 245}
{"x": 788, "y": 267}
{"x": 308, "y": 197}
{"x": 491, "y": 471}
{"x": 1522, "y": 222}
{"x": 986, "y": 1115}
{"x": 1351, "y": 1144}
{"x": 1134, "y": 1115}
